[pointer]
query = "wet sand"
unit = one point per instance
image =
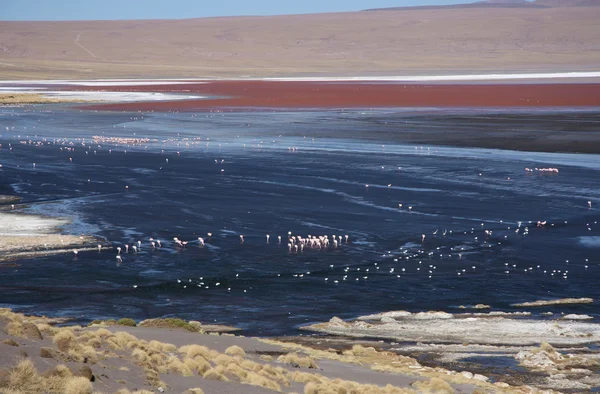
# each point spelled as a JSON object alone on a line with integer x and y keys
{"x": 28, "y": 236}
{"x": 329, "y": 95}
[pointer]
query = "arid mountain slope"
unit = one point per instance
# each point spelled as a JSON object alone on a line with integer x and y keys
{"x": 417, "y": 41}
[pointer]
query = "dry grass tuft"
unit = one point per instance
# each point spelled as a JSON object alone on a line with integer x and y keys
{"x": 233, "y": 369}
{"x": 24, "y": 377}
{"x": 303, "y": 377}
{"x": 65, "y": 334}
{"x": 169, "y": 322}
{"x": 251, "y": 365}
{"x": 47, "y": 329}
{"x": 338, "y": 386}
{"x": 297, "y": 361}
{"x": 15, "y": 329}
{"x": 10, "y": 342}
{"x": 176, "y": 365}
{"x": 277, "y": 374}
{"x": 198, "y": 350}
{"x": 261, "y": 381}
{"x": 120, "y": 340}
{"x": 126, "y": 322}
{"x": 266, "y": 357}
{"x": 202, "y": 365}
{"x": 140, "y": 355}
{"x": 433, "y": 385}
{"x": 196, "y": 390}
{"x": 102, "y": 333}
{"x": 83, "y": 353}
{"x": 223, "y": 359}
{"x": 359, "y": 350}
{"x": 78, "y": 385}
{"x": 213, "y": 374}
{"x": 162, "y": 347}
{"x": 235, "y": 351}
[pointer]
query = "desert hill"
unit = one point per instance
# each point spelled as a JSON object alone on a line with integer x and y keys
{"x": 545, "y": 35}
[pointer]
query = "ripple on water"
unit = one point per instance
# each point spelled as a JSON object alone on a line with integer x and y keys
{"x": 590, "y": 242}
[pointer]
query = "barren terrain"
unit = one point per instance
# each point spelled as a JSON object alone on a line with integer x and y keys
{"x": 419, "y": 41}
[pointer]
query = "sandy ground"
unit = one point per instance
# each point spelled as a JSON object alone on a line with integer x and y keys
{"x": 376, "y": 43}
{"x": 114, "y": 360}
{"x": 25, "y": 96}
{"x": 24, "y": 236}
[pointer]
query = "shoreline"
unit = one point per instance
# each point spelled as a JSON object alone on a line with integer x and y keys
{"x": 29, "y": 236}
{"x": 170, "y": 357}
{"x": 558, "y": 353}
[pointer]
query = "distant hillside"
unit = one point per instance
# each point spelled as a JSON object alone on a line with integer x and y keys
{"x": 501, "y": 4}
{"x": 569, "y": 3}
{"x": 489, "y": 4}
{"x": 548, "y": 35}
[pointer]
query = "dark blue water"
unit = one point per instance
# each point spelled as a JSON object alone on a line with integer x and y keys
{"x": 264, "y": 187}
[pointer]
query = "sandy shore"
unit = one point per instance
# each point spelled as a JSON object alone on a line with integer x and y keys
{"x": 46, "y": 358}
{"x": 26, "y": 236}
{"x": 453, "y": 339}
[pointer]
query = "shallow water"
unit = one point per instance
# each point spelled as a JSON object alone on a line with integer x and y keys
{"x": 318, "y": 189}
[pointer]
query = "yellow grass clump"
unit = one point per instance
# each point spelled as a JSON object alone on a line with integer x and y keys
{"x": 326, "y": 386}
{"x": 297, "y": 361}
{"x": 223, "y": 359}
{"x": 196, "y": 390}
{"x": 235, "y": 370}
{"x": 433, "y": 385}
{"x": 213, "y": 374}
{"x": 25, "y": 378}
{"x": 266, "y": 357}
{"x": 304, "y": 377}
{"x": 47, "y": 329}
{"x": 120, "y": 340}
{"x": 162, "y": 347}
{"x": 251, "y": 365}
{"x": 201, "y": 364}
{"x": 78, "y": 385}
{"x": 261, "y": 381}
{"x": 176, "y": 365}
{"x": 64, "y": 334}
{"x": 235, "y": 351}
{"x": 359, "y": 350}
{"x": 15, "y": 329}
{"x": 275, "y": 373}
{"x": 195, "y": 350}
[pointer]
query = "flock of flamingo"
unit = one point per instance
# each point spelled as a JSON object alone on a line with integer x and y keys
{"x": 296, "y": 244}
